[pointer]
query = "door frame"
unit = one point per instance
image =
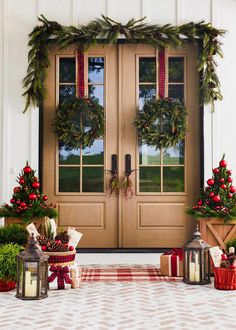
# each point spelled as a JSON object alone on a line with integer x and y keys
{"x": 201, "y": 169}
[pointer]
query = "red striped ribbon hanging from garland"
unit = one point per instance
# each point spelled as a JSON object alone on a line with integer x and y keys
{"x": 161, "y": 61}
{"x": 80, "y": 63}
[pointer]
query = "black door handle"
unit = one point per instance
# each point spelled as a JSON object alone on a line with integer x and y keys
{"x": 127, "y": 164}
{"x": 114, "y": 164}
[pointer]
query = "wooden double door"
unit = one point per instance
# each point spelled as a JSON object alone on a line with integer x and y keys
{"x": 121, "y": 78}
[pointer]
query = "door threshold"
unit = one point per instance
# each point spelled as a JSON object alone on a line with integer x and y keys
{"x": 122, "y": 250}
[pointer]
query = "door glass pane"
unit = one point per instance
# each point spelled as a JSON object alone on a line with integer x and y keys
{"x": 94, "y": 154}
{"x": 176, "y": 92}
{"x": 176, "y": 69}
{"x": 93, "y": 179}
{"x": 173, "y": 179}
{"x": 148, "y": 155}
{"x": 149, "y": 179}
{"x": 146, "y": 92}
{"x": 96, "y": 70}
{"x": 67, "y": 70}
{"x": 69, "y": 179}
{"x": 174, "y": 155}
{"x": 96, "y": 93}
{"x": 66, "y": 91}
{"x": 69, "y": 156}
{"x": 147, "y": 69}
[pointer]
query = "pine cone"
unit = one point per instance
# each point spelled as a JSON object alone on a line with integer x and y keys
{"x": 52, "y": 246}
{"x": 42, "y": 240}
{"x": 225, "y": 264}
{"x": 63, "y": 237}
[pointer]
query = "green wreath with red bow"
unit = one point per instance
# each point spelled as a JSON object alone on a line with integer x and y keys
{"x": 161, "y": 123}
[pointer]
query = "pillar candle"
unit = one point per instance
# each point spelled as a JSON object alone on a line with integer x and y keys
{"x": 192, "y": 271}
{"x": 27, "y": 277}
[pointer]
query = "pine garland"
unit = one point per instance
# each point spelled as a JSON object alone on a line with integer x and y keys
{"x": 107, "y": 31}
{"x": 156, "y": 113}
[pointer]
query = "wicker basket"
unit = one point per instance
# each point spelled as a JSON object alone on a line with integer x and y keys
{"x": 225, "y": 278}
{"x": 61, "y": 258}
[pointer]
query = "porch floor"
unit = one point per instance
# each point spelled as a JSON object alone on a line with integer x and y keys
{"x": 122, "y": 305}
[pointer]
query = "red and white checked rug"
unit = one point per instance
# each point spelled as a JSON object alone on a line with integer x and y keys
{"x": 125, "y": 273}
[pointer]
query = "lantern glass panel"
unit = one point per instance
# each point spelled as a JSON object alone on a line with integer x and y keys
{"x": 43, "y": 277}
{"x": 20, "y": 275}
{"x": 31, "y": 271}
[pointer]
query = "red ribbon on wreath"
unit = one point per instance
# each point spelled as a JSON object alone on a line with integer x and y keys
{"x": 62, "y": 275}
{"x": 80, "y": 64}
{"x": 175, "y": 253}
{"x": 161, "y": 61}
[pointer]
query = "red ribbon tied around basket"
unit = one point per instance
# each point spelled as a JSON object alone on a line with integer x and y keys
{"x": 62, "y": 274}
{"x": 175, "y": 254}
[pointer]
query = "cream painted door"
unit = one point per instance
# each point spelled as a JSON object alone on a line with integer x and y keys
{"x": 165, "y": 181}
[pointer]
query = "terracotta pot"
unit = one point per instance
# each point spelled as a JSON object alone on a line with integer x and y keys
{"x": 216, "y": 232}
{"x": 38, "y": 222}
{"x": 6, "y": 285}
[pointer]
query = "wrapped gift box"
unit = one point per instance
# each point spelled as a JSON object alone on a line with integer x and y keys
{"x": 172, "y": 263}
{"x": 59, "y": 277}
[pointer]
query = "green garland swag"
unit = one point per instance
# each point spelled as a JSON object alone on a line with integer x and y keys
{"x": 73, "y": 116}
{"x": 161, "y": 123}
{"x": 105, "y": 30}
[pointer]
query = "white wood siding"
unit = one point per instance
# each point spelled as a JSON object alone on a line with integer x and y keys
{"x": 19, "y": 132}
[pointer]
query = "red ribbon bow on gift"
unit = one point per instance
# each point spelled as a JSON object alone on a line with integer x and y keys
{"x": 176, "y": 252}
{"x": 62, "y": 276}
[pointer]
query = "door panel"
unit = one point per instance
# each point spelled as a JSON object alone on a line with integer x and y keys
{"x": 165, "y": 181}
{"x": 122, "y": 78}
{"x": 76, "y": 179}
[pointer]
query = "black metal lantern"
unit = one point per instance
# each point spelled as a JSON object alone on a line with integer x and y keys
{"x": 32, "y": 273}
{"x": 197, "y": 261}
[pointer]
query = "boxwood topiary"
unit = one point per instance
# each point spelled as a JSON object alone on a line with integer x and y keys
{"x": 8, "y": 253}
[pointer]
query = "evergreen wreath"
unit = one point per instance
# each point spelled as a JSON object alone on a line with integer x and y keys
{"x": 161, "y": 123}
{"x": 105, "y": 30}
{"x": 78, "y": 122}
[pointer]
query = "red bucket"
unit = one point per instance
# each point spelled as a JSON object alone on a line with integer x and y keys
{"x": 225, "y": 278}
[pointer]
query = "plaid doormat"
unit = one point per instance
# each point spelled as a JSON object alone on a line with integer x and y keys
{"x": 125, "y": 273}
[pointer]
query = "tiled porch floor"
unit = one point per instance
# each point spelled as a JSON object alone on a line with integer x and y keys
{"x": 121, "y": 306}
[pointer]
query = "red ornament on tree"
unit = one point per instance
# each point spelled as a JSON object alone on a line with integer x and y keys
{"x": 210, "y": 182}
{"x": 229, "y": 172}
{"x": 211, "y": 194}
{"x": 230, "y": 179}
{"x": 216, "y": 170}
{"x": 12, "y": 200}
{"x": 27, "y": 169}
{"x": 200, "y": 202}
{"x": 22, "y": 204}
{"x": 71, "y": 248}
{"x": 21, "y": 181}
{"x": 223, "y": 163}
{"x": 36, "y": 185}
{"x": 16, "y": 190}
{"x": 216, "y": 199}
{"x": 223, "y": 186}
{"x": 232, "y": 189}
{"x": 44, "y": 248}
{"x": 222, "y": 180}
{"x": 45, "y": 197}
{"x": 32, "y": 196}
{"x": 230, "y": 195}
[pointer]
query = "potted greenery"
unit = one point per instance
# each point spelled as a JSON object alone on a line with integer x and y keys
{"x": 13, "y": 234}
{"x": 27, "y": 204}
{"x": 215, "y": 209}
{"x": 8, "y": 253}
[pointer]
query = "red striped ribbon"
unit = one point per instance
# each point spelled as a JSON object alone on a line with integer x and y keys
{"x": 161, "y": 60}
{"x": 80, "y": 62}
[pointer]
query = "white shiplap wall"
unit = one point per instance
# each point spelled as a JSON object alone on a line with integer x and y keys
{"x": 19, "y": 132}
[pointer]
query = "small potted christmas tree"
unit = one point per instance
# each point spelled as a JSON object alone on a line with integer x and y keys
{"x": 27, "y": 204}
{"x": 216, "y": 207}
